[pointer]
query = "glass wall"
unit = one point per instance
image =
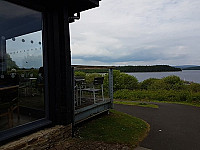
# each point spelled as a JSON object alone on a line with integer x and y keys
{"x": 21, "y": 66}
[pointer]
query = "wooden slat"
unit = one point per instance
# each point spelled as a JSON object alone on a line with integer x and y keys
{"x": 9, "y": 87}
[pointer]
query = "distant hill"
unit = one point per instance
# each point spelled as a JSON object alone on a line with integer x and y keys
{"x": 185, "y": 66}
{"x": 155, "y": 68}
{"x": 192, "y": 68}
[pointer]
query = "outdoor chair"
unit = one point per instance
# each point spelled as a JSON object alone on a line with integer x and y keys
{"x": 97, "y": 87}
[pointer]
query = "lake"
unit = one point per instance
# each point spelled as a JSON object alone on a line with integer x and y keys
{"x": 187, "y": 75}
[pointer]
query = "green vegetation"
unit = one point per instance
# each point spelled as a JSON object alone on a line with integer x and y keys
{"x": 159, "y": 95}
{"x": 122, "y": 81}
{"x": 79, "y": 74}
{"x": 89, "y": 77}
{"x": 10, "y": 63}
{"x": 93, "y": 70}
{"x": 171, "y": 88}
{"x": 26, "y": 72}
{"x": 116, "y": 127}
{"x": 183, "y": 103}
{"x": 142, "y": 104}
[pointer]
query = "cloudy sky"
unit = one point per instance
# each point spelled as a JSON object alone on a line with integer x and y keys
{"x": 132, "y": 32}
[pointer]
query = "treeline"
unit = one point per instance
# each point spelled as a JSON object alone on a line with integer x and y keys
{"x": 93, "y": 70}
{"x": 156, "y": 68}
{"x": 192, "y": 68}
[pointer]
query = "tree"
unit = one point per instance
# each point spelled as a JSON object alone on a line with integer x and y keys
{"x": 10, "y": 63}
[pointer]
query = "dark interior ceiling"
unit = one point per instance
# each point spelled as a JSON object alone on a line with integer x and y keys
{"x": 74, "y": 6}
{"x": 16, "y": 20}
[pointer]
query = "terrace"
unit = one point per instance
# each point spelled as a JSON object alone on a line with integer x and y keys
{"x": 91, "y": 96}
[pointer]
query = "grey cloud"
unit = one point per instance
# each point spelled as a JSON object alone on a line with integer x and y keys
{"x": 145, "y": 31}
{"x": 140, "y": 55}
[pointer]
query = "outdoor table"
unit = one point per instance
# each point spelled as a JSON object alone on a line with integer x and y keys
{"x": 78, "y": 84}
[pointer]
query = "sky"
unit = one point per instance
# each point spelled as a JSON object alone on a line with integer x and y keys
{"x": 26, "y": 54}
{"x": 132, "y": 32}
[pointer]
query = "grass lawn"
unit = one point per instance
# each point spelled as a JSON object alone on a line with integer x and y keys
{"x": 183, "y": 103}
{"x": 142, "y": 104}
{"x": 116, "y": 127}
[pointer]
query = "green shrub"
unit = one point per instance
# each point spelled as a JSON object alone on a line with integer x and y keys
{"x": 121, "y": 81}
{"x": 147, "y": 83}
{"x": 173, "y": 83}
{"x": 194, "y": 87}
{"x": 79, "y": 74}
{"x": 172, "y": 80}
{"x": 195, "y": 97}
{"x": 124, "y": 81}
{"x": 166, "y": 83}
{"x": 159, "y": 95}
{"x": 157, "y": 85}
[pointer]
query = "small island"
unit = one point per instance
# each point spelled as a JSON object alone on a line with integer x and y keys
{"x": 154, "y": 68}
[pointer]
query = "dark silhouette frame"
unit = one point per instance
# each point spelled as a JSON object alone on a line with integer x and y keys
{"x": 56, "y": 17}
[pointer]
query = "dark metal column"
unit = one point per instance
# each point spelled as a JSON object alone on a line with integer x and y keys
{"x": 58, "y": 68}
{"x": 3, "y": 66}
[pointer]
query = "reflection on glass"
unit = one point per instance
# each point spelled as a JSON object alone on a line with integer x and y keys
{"x": 21, "y": 66}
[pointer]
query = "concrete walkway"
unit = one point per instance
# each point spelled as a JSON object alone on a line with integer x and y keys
{"x": 173, "y": 126}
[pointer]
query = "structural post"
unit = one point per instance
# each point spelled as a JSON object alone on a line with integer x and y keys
{"x": 111, "y": 86}
{"x": 2, "y": 55}
{"x": 73, "y": 104}
{"x": 58, "y": 58}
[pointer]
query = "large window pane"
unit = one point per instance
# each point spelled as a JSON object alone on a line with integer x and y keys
{"x": 21, "y": 66}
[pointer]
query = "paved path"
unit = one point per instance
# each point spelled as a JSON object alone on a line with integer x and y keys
{"x": 173, "y": 126}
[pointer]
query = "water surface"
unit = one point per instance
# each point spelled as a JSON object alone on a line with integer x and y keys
{"x": 187, "y": 75}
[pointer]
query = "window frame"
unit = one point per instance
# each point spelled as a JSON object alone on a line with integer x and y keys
{"x": 56, "y": 112}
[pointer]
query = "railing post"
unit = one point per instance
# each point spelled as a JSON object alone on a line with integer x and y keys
{"x": 111, "y": 86}
{"x": 73, "y": 104}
